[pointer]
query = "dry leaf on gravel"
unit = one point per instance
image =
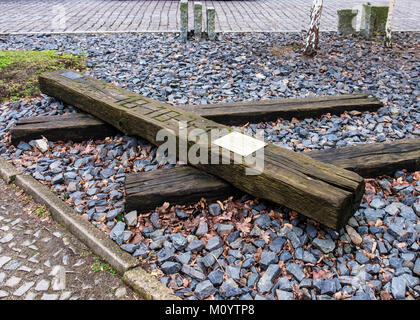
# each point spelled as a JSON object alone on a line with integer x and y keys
{"x": 244, "y": 226}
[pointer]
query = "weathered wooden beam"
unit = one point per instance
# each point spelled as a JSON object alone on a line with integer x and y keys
{"x": 80, "y": 126}
{"x": 73, "y": 127}
{"x": 374, "y": 159}
{"x": 235, "y": 113}
{"x": 318, "y": 190}
{"x": 181, "y": 185}
{"x": 186, "y": 185}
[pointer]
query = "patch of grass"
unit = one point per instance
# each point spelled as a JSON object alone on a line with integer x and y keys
{"x": 101, "y": 266}
{"x": 19, "y": 70}
{"x": 42, "y": 212}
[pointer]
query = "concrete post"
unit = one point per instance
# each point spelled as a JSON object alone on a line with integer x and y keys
{"x": 198, "y": 19}
{"x": 211, "y": 33}
{"x": 347, "y": 21}
{"x": 373, "y": 20}
{"x": 184, "y": 19}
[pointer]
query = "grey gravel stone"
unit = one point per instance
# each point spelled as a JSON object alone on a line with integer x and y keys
{"x": 216, "y": 277}
{"x": 214, "y": 209}
{"x": 204, "y": 289}
{"x": 202, "y": 229}
{"x": 296, "y": 271}
{"x": 284, "y": 295}
{"x": 398, "y": 287}
{"x": 131, "y": 218}
{"x": 195, "y": 245}
{"x": 325, "y": 245}
{"x": 265, "y": 283}
{"x": 230, "y": 289}
{"x": 170, "y": 267}
{"x": 214, "y": 243}
{"x": 224, "y": 229}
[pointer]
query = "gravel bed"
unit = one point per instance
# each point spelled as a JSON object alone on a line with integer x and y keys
{"x": 243, "y": 248}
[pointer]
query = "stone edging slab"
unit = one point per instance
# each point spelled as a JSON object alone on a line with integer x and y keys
{"x": 145, "y": 284}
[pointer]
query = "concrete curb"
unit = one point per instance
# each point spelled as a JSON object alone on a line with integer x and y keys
{"x": 145, "y": 284}
{"x": 8, "y": 172}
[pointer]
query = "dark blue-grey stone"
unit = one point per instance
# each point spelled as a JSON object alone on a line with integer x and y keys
{"x": 267, "y": 258}
{"x": 202, "y": 229}
{"x": 230, "y": 289}
{"x": 204, "y": 289}
{"x": 284, "y": 284}
{"x": 296, "y": 271}
{"x": 112, "y": 214}
{"x": 165, "y": 254}
{"x": 184, "y": 258}
{"x": 130, "y": 248}
{"x": 214, "y": 243}
{"x": 193, "y": 272}
{"x": 131, "y": 218}
{"x": 309, "y": 257}
{"x": 248, "y": 263}
{"x": 116, "y": 233}
{"x": 263, "y": 221}
{"x": 208, "y": 260}
{"x": 284, "y": 295}
{"x": 233, "y": 236}
{"x": 361, "y": 258}
{"x": 195, "y": 245}
{"x": 328, "y": 287}
{"x": 214, "y": 209}
{"x": 416, "y": 268}
{"x": 181, "y": 214}
{"x": 265, "y": 283}
{"x": 170, "y": 267}
{"x": 106, "y": 173}
{"x": 179, "y": 241}
{"x": 233, "y": 272}
{"x": 57, "y": 179}
{"x": 277, "y": 244}
{"x": 141, "y": 252}
{"x": 224, "y": 229}
{"x": 248, "y": 248}
{"x": 306, "y": 283}
{"x": 216, "y": 277}
{"x": 398, "y": 287}
{"x": 285, "y": 256}
{"x": 325, "y": 245}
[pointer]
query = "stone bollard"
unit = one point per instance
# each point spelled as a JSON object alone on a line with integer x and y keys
{"x": 198, "y": 19}
{"x": 184, "y": 19}
{"x": 347, "y": 21}
{"x": 373, "y": 20}
{"x": 211, "y": 33}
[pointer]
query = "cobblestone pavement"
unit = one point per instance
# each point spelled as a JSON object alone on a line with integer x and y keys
{"x": 23, "y": 16}
{"x": 41, "y": 260}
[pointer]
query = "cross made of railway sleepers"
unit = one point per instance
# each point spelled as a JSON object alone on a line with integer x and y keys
{"x": 321, "y": 191}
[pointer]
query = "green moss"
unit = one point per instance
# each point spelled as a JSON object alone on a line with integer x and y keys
{"x": 379, "y": 16}
{"x": 19, "y": 70}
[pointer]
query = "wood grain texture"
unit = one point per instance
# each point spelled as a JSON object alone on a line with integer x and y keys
{"x": 73, "y": 127}
{"x": 318, "y": 190}
{"x": 187, "y": 185}
{"x": 181, "y": 185}
{"x": 236, "y": 113}
{"x": 77, "y": 127}
{"x": 374, "y": 159}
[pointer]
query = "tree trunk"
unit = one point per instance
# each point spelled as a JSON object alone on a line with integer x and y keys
{"x": 313, "y": 32}
{"x": 388, "y": 27}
